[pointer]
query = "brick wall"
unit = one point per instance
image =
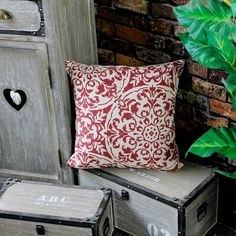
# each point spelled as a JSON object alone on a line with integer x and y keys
{"x": 141, "y": 32}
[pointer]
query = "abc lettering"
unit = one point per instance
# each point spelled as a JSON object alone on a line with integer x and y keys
{"x": 54, "y": 199}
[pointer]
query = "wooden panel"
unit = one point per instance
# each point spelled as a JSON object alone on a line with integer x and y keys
{"x": 201, "y": 214}
{"x": 166, "y": 182}
{"x": 24, "y": 228}
{"x": 84, "y": 34}
{"x": 28, "y": 137}
{"x": 32, "y": 198}
{"x": 138, "y": 213}
{"x": 25, "y": 15}
{"x": 70, "y": 34}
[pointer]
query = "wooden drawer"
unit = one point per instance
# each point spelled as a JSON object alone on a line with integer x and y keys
{"x": 19, "y": 15}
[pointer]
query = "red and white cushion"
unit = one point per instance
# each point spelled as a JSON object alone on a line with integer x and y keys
{"x": 125, "y": 115}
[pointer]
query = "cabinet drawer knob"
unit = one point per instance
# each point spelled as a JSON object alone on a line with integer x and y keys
{"x": 5, "y": 15}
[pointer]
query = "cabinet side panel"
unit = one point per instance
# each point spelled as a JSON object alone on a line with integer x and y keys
{"x": 70, "y": 35}
{"x": 83, "y": 39}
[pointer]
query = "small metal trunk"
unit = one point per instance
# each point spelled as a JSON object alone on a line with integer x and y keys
{"x": 156, "y": 203}
{"x": 32, "y": 208}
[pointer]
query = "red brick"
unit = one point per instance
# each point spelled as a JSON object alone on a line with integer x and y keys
{"x": 209, "y": 120}
{"x": 162, "y": 10}
{"x": 175, "y": 47}
{"x": 178, "y": 29}
{"x": 105, "y": 27}
{"x": 139, "y": 6}
{"x": 114, "y": 16}
{"x": 131, "y": 34}
{"x": 194, "y": 99}
{"x": 197, "y": 69}
{"x": 160, "y": 27}
{"x": 106, "y": 56}
{"x": 116, "y": 45}
{"x": 151, "y": 56}
{"x": 216, "y": 76}
{"x": 222, "y": 108}
{"x": 208, "y": 89}
{"x": 156, "y": 42}
{"x": 128, "y": 61}
{"x": 180, "y": 2}
{"x": 140, "y": 22}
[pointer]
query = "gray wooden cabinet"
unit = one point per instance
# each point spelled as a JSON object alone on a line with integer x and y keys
{"x": 36, "y": 37}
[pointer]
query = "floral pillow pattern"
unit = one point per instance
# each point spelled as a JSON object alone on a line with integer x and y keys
{"x": 125, "y": 115}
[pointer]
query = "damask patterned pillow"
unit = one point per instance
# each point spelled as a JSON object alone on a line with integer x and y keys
{"x": 125, "y": 115}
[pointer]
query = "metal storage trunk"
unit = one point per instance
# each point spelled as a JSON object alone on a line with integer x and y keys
{"x": 155, "y": 203}
{"x": 31, "y": 208}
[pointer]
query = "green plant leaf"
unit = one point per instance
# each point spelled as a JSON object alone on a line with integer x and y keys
{"x": 233, "y": 9}
{"x": 227, "y": 2}
{"x": 227, "y": 174}
{"x": 230, "y": 85}
{"x": 222, "y": 141}
{"x": 224, "y": 47}
{"x": 203, "y": 53}
{"x": 212, "y": 15}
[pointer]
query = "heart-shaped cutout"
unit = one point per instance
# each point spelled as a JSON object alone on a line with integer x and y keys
{"x": 16, "y": 99}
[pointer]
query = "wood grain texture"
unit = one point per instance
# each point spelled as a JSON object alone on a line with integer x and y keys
{"x": 134, "y": 215}
{"x": 68, "y": 39}
{"x": 51, "y": 200}
{"x": 28, "y": 137}
{"x": 69, "y": 34}
{"x": 23, "y": 228}
{"x": 166, "y": 182}
{"x": 25, "y": 15}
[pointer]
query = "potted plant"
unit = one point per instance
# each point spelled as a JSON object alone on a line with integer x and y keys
{"x": 210, "y": 39}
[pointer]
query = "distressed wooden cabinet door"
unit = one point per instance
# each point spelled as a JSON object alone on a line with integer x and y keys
{"x": 36, "y": 37}
{"x": 28, "y": 136}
